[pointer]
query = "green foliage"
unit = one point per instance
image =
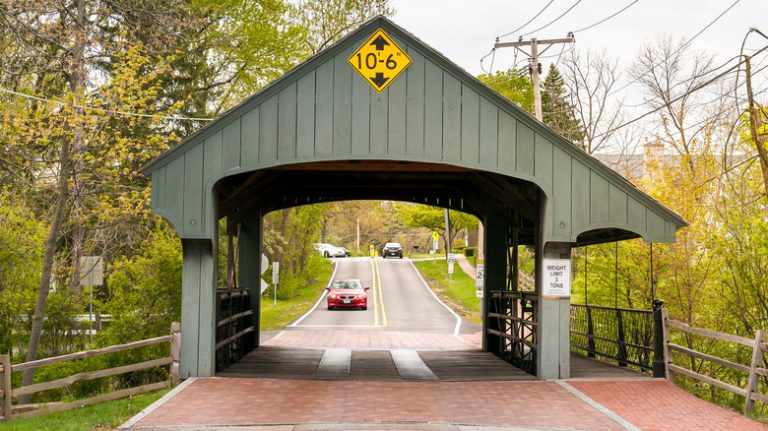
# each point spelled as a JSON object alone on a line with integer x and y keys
{"x": 433, "y": 218}
{"x": 557, "y": 110}
{"x": 459, "y": 292}
{"x": 276, "y": 316}
{"x": 470, "y": 251}
{"x": 101, "y": 416}
{"x": 512, "y": 85}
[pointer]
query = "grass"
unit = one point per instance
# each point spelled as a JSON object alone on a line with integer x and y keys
{"x": 102, "y": 416}
{"x": 274, "y": 317}
{"x": 459, "y": 295}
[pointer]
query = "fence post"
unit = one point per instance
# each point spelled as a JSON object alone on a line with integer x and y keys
{"x": 175, "y": 352}
{"x": 659, "y": 341}
{"x": 757, "y": 358}
{"x": 590, "y": 334}
{"x": 5, "y": 361}
{"x": 620, "y": 338}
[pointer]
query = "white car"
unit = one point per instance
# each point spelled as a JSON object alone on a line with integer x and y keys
{"x": 328, "y": 250}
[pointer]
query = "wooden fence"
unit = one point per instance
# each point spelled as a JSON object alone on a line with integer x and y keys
{"x": 753, "y": 371}
{"x": 9, "y": 410}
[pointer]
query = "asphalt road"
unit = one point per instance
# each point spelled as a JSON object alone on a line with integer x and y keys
{"x": 397, "y": 301}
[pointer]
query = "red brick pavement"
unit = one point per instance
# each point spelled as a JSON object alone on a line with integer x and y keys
{"x": 660, "y": 405}
{"x": 222, "y": 401}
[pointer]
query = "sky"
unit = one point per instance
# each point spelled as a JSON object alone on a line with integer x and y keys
{"x": 464, "y": 30}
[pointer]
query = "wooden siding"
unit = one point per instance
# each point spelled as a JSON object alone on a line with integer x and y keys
{"x": 430, "y": 113}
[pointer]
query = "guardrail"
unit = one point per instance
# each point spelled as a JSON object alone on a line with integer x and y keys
{"x": 620, "y": 334}
{"x": 753, "y": 370}
{"x": 9, "y": 410}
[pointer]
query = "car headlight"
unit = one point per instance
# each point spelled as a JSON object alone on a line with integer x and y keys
{"x": 332, "y": 296}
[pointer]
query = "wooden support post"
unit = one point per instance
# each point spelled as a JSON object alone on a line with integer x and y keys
{"x": 660, "y": 339}
{"x": 5, "y": 361}
{"x": 665, "y": 341}
{"x": 175, "y": 352}
{"x": 752, "y": 381}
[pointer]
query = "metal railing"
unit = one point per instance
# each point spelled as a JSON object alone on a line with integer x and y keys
{"x": 235, "y": 330}
{"x": 619, "y": 334}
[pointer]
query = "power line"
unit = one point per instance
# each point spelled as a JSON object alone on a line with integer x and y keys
{"x": 555, "y": 20}
{"x": 527, "y": 22}
{"x": 666, "y": 104}
{"x": 606, "y": 18}
{"x": 681, "y": 47}
{"x": 108, "y": 111}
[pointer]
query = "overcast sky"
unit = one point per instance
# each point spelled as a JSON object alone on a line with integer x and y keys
{"x": 465, "y": 30}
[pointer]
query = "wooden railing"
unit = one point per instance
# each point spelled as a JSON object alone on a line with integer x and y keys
{"x": 235, "y": 331}
{"x": 753, "y": 371}
{"x": 9, "y": 410}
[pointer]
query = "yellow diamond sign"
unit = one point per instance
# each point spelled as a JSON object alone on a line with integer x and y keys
{"x": 379, "y": 60}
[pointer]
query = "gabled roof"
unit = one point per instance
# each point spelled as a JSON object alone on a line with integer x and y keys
{"x": 530, "y": 147}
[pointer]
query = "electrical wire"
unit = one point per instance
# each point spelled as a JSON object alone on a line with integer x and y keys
{"x": 555, "y": 20}
{"x": 687, "y": 93}
{"x": 681, "y": 47}
{"x": 606, "y": 18}
{"x": 527, "y": 22}
{"x": 108, "y": 111}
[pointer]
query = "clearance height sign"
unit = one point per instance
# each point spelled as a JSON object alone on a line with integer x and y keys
{"x": 557, "y": 277}
{"x": 379, "y": 60}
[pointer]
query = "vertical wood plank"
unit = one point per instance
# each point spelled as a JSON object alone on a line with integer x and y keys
{"x": 617, "y": 205}
{"x": 579, "y": 195}
{"x": 396, "y": 125}
{"x": 598, "y": 198}
{"x": 752, "y": 380}
{"x": 361, "y": 116}
{"x": 542, "y": 167}
{"x": 414, "y": 128}
{"x": 470, "y": 125}
{"x": 451, "y": 118}
{"x": 249, "y": 138}
{"x": 379, "y": 122}
{"x": 174, "y": 192}
{"x": 561, "y": 195}
{"x": 206, "y": 354}
{"x": 507, "y": 152}
{"x": 230, "y": 151}
{"x": 286, "y": 134}
{"x": 324, "y": 109}
{"x": 305, "y": 116}
{"x": 635, "y": 213}
{"x": 268, "y": 127}
{"x": 489, "y": 133}
{"x": 190, "y": 307}
{"x": 342, "y": 104}
{"x": 433, "y": 111}
{"x": 193, "y": 190}
{"x": 525, "y": 150}
{"x": 213, "y": 149}
{"x": 667, "y": 353}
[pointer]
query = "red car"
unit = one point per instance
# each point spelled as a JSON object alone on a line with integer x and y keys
{"x": 347, "y": 293}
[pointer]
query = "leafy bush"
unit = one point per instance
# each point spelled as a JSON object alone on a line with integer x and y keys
{"x": 470, "y": 251}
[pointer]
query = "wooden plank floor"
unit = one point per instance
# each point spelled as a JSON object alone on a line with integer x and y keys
{"x": 457, "y": 366}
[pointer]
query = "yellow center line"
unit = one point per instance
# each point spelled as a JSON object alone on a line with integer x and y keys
{"x": 373, "y": 288}
{"x": 381, "y": 296}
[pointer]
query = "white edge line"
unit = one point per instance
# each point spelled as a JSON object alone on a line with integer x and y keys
{"x": 319, "y": 300}
{"x": 157, "y": 404}
{"x": 599, "y": 407}
{"x": 458, "y": 319}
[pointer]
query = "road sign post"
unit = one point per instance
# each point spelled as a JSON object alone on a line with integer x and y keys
{"x": 451, "y": 260}
{"x": 479, "y": 279}
{"x": 93, "y": 266}
{"x": 275, "y": 277}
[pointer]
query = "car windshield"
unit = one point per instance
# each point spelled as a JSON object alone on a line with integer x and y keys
{"x": 392, "y": 245}
{"x": 347, "y": 284}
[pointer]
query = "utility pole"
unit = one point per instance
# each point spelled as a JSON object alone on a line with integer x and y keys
{"x": 754, "y": 124}
{"x": 535, "y": 67}
{"x": 357, "y": 243}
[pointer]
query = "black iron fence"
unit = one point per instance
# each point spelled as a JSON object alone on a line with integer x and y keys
{"x": 623, "y": 335}
{"x": 235, "y": 331}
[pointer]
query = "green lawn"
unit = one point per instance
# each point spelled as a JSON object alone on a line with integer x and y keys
{"x": 275, "y": 317}
{"x": 460, "y": 296}
{"x": 103, "y": 416}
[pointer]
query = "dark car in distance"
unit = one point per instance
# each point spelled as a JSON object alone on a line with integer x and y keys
{"x": 392, "y": 249}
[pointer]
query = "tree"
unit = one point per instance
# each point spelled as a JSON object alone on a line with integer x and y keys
{"x": 433, "y": 218}
{"x": 326, "y": 21}
{"x": 512, "y": 85}
{"x": 557, "y": 109}
{"x": 591, "y": 78}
